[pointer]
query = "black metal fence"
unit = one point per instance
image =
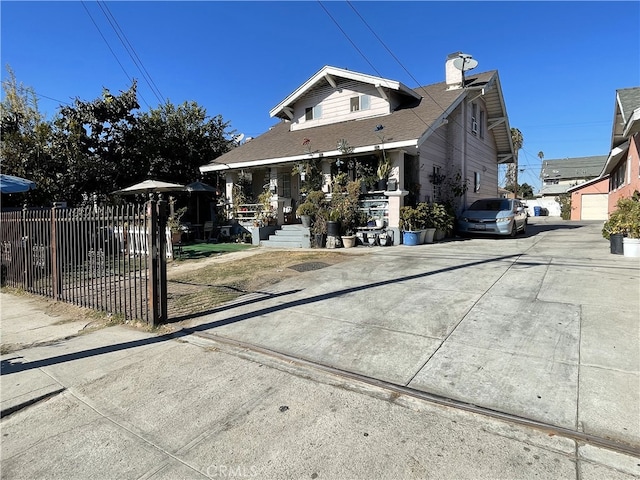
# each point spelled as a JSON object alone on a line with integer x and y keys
{"x": 111, "y": 259}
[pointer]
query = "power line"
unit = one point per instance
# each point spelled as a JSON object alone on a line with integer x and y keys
{"x": 130, "y": 50}
{"x": 111, "y": 50}
{"x": 429, "y": 126}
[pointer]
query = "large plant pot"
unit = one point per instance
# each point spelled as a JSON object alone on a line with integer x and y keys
{"x": 410, "y": 238}
{"x": 440, "y": 235}
{"x": 333, "y": 228}
{"x": 348, "y": 241}
{"x": 429, "y": 233}
{"x": 382, "y": 184}
{"x": 306, "y": 220}
{"x": 615, "y": 244}
{"x": 320, "y": 240}
{"x": 631, "y": 247}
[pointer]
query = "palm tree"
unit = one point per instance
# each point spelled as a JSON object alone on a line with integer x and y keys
{"x": 512, "y": 170}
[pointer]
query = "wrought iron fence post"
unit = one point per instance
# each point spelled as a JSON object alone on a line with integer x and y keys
{"x": 162, "y": 259}
{"x": 152, "y": 261}
{"x": 56, "y": 260}
{"x": 24, "y": 238}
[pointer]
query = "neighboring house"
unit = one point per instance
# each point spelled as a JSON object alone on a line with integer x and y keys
{"x": 623, "y": 163}
{"x": 560, "y": 175}
{"x": 454, "y": 129}
{"x": 620, "y": 176}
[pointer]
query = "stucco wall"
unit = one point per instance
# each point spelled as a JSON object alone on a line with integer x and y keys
{"x": 576, "y": 197}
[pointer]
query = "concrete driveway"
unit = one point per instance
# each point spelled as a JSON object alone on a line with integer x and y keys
{"x": 545, "y": 326}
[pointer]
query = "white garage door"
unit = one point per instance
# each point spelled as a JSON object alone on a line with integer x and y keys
{"x": 594, "y": 206}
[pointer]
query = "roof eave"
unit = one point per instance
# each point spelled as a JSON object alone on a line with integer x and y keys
{"x": 217, "y": 167}
{"x": 633, "y": 124}
{"x": 614, "y": 156}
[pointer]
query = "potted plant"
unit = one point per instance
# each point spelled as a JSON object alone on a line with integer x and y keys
{"x": 306, "y": 211}
{"x": 409, "y": 224}
{"x": 625, "y": 221}
{"x": 383, "y": 172}
{"x": 345, "y": 208}
{"x": 173, "y": 222}
{"x": 443, "y": 220}
{"x": 426, "y": 222}
{"x": 319, "y": 228}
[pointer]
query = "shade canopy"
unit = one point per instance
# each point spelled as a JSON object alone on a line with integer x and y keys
{"x": 201, "y": 187}
{"x": 11, "y": 184}
{"x": 149, "y": 186}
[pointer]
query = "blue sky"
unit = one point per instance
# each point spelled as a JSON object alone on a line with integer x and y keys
{"x": 559, "y": 62}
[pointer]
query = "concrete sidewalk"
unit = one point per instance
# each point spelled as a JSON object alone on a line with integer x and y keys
{"x": 543, "y": 327}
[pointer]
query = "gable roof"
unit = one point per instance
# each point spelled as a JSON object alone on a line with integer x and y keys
{"x": 405, "y": 127}
{"x": 577, "y": 167}
{"x": 627, "y": 112}
{"x": 626, "y": 122}
{"x": 327, "y": 74}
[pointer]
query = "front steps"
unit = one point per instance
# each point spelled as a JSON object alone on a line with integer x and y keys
{"x": 290, "y": 236}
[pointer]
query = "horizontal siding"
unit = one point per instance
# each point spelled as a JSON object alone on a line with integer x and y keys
{"x": 482, "y": 158}
{"x": 336, "y": 104}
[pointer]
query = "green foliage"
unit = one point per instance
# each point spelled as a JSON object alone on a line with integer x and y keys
{"x": 426, "y": 215}
{"x": 173, "y": 222}
{"x": 103, "y": 145}
{"x": 311, "y": 170}
{"x": 171, "y": 142}
{"x": 410, "y": 218}
{"x": 384, "y": 168}
{"x": 345, "y": 207}
{"x": 565, "y": 205}
{"x": 442, "y": 218}
{"x": 625, "y": 219}
{"x": 25, "y": 139}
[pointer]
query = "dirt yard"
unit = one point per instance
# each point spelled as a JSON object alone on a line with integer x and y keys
{"x": 198, "y": 286}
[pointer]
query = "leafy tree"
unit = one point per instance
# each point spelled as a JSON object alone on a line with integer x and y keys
{"x": 96, "y": 147}
{"x": 172, "y": 142}
{"x": 24, "y": 143}
{"x": 94, "y": 140}
{"x": 525, "y": 190}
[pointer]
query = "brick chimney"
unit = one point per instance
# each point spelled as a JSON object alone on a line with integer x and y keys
{"x": 453, "y": 75}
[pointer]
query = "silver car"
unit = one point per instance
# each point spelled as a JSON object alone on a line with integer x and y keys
{"x": 494, "y": 216}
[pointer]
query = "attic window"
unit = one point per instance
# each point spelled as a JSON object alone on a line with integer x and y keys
{"x": 362, "y": 102}
{"x": 311, "y": 113}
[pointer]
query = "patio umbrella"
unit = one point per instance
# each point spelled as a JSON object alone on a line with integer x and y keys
{"x": 200, "y": 187}
{"x": 11, "y": 184}
{"x": 149, "y": 186}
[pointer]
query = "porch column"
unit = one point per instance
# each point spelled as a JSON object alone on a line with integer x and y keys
{"x": 230, "y": 179}
{"x": 396, "y": 197}
{"x": 326, "y": 176}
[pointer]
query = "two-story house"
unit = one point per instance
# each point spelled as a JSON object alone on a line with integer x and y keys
{"x": 454, "y": 133}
